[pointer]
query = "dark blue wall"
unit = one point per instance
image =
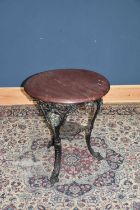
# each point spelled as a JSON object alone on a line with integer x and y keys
{"x": 102, "y": 35}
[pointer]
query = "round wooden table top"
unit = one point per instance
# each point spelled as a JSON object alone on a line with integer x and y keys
{"x": 67, "y": 86}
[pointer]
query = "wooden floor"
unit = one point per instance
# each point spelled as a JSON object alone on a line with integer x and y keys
{"x": 117, "y": 94}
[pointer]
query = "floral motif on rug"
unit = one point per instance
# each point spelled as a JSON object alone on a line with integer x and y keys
{"x": 84, "y": 182}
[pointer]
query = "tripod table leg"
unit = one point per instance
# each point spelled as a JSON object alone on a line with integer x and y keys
{"x": 91, "y": 119}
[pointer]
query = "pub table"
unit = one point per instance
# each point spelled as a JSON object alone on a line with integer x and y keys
{"x": 62, "y": 91}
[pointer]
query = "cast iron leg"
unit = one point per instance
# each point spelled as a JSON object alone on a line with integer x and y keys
{"x": 55, "y": 117}
{"x": 91, "y": 119}
{"x": 58, "y": 151}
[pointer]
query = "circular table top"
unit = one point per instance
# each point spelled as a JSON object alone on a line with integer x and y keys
{"x": 67, "y": 86}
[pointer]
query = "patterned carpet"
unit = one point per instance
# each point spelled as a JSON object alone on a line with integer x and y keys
{"x": 85, "y": 183}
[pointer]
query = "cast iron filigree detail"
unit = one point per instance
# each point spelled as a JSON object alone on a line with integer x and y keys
{"x": 55, "y": 115}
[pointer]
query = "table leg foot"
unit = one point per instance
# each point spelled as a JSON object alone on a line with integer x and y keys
{"x": 97, "y": 155}
{"x": 54, "y": 179}
{"x": 50, "y": 144}
{"x": 92, "y": 152}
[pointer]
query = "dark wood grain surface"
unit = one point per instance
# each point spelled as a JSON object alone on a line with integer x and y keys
{"x": 67, "y": 86}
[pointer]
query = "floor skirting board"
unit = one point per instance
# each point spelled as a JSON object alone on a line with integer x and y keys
{"x": 117, "y": 94}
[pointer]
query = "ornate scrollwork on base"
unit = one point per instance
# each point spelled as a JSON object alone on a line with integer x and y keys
{"x": 55, "y": 115}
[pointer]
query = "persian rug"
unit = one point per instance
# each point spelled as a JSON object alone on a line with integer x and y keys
{"x": 84, "y": 182}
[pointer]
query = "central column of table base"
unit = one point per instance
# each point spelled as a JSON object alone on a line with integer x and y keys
{"x": 55, "y": 115}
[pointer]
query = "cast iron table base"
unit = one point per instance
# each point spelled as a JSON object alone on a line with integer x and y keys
{"x": 55, "y": 115}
